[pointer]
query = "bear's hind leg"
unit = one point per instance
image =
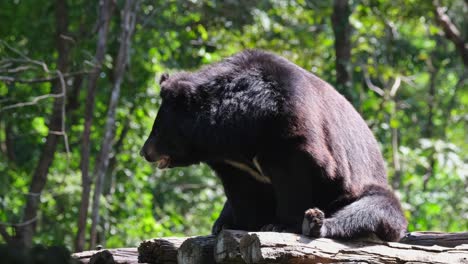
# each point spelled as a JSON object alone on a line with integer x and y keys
{"x": 377, "y": 211}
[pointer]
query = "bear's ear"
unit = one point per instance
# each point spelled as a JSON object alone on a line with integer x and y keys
{"x": 164, "y": 77}
{"x": 179, "y": 90}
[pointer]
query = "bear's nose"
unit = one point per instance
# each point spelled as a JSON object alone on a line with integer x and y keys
{"x": 148, "y": 151}
{"x": 148, "y": 154}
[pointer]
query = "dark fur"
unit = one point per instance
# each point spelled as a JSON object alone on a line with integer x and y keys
{"x": 308, "y": 140}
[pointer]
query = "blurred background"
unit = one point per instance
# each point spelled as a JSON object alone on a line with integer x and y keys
{"x": 79, "y": 93}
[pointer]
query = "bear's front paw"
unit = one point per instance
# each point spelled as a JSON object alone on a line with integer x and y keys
{"x": 274, "y": 228}
{"x": 312, "y": 223}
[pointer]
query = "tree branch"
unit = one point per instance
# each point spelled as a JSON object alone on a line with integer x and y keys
{"x": 17, "y": 69}
{"x": 369, "y": 83}
{"x": 9, "y": 79}
{"x": 451, "y": 31}
{"x": 32, "y": 102}
{"x": 24, "y": 59}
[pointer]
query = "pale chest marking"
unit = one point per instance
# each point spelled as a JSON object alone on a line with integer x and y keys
{"x": 256, "y": 172}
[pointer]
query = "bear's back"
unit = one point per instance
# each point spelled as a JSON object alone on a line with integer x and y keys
{"x": 333, "y": 130}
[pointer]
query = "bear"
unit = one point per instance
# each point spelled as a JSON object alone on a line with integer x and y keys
{"x": 292, "y": 154}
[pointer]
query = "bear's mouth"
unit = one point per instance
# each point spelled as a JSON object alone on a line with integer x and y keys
{"x": 163, "y": 162}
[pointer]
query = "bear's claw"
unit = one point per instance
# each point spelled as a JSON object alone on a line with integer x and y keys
{"x": 312, "y": 223}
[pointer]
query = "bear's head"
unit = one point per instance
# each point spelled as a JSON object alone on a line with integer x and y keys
{"x": 171, "y": 143}
{"x": 212, "y": 115}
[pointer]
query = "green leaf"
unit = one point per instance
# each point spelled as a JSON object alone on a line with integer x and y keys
{"x": 3, "y": 89}
{"x": 202, "y": 31}
{"x": 40, "y": 126}
{"x": 394, "y": 123}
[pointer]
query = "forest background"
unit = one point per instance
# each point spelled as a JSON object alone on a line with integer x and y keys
{"x": 79, "y": 93}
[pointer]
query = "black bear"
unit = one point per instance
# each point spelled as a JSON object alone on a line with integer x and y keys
{"x": 292, "y": 154}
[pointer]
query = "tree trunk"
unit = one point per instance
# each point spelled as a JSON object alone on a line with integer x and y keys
{"x": 25, "y": 231}
{"x": 9, "y": 141}
{"x": 128, "y": 25}
{"x": 110, "y": 176}
{"x": 342, "y": 32}
{"x": 105, "y": 11}
{"x": 429, "y": 129}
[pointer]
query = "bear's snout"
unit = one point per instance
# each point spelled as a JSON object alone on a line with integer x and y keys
{"x": 148, "y": 151}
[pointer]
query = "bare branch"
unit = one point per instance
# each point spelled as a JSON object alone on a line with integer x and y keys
{"x": 371, "y": 86}
{"x": 451, "y": 31}
{"x": 64, "y": 133}
{"x": 5, "y": 64}
{"x": 408, "y": 80}
{"x": 25, "y": 58}
{"x": 60, "y": 76}
{"x": 17, "y": 69}
{"x": 449, "y": 28}
{"x": 395, "y": 86}
{"x": 33, "y": 102}
{"x": 10, "y": 79}
{"x": 25, "y": 223}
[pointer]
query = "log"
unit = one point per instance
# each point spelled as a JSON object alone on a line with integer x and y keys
{"x": 197, "y": 250}
{"x": 270, "y": 247}
{"x": 233, "y": 247}
{"x": 160, "y": 250}
{"x": 108, "y": 256}
{"x": 227, "y": 247}
{"x": 436, "y": 238}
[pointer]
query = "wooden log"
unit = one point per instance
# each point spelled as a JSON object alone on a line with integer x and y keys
{"x": 102, "y": 257}
{"x": 234, "y": 247}
{"x": 436, "y": 238}
{"x": 226, "y": 248}
{"x": 270, "y": 247}
{"x": 197, "y": 250}
{"x": 160, "y": 250}
{"x": 108, "y": 256}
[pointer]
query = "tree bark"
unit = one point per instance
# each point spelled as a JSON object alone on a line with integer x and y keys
{"x": 271, "y": 248}
{"x": 110, "y": 176}
{"x": 342, "y": 32}
{"x": 428, "y": 238}
{"x": 106, "y": 256}
{"x": 128, "y": 26}
{"x": 160, "y": 250}
{"x": 104, "y": 16}
{"x": 197, "y": 250}
{"x": 74, "y": 97}
{"x": 9, "y": 141}
{"x": 25, "y": 232}
{"x": 227, "y": 247}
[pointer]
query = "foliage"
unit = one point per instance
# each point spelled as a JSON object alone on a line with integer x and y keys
{"x": 390, "y": 39}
